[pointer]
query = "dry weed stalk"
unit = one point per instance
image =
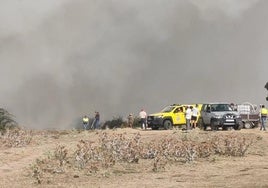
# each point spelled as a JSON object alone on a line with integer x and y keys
{"x": 37, "y": 174}
{"x": 60, "y": 154}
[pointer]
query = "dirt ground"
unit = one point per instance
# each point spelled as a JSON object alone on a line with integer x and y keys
{"x": 220, "y": 171}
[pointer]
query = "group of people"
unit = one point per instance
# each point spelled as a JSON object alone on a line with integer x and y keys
{"x": 95, "y": 123}
{"x": 191, "y": 114}
{"x": 143, "y": 119}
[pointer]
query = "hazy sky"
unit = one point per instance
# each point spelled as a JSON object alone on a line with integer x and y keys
{"x": 66, "y": 58}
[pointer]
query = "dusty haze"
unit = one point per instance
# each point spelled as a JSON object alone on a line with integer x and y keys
{"x": 63, "y": 59}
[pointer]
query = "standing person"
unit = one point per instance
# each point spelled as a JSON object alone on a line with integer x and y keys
{"x": 188, "y": 115}
{"x": 143, "y": 117}
{"x": 85, "y": 121}
{"x": 263, "y": 117}
{"x": 195, "y": 113}
{"x": 130, "y": 120}
{"x": 97, "y": 120}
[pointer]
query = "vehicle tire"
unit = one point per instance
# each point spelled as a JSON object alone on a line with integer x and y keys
{"x": 167, "y": 124}
{"x": 213, "y": 126}
{"x": 224, "y": 128}
{"x": 201, "y": 124}
{"x": 238, "y": 126}
{"x": 247, "y": 125}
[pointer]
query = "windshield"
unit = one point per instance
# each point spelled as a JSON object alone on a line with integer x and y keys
{"x": 220, "y": 107}
{"x": 168, "y": 109}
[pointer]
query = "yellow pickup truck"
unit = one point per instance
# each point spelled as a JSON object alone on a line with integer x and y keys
{"x": 172, "y": 115}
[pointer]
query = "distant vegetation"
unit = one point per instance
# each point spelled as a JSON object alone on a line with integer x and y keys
{"x": 118, "y": 122}
{"x": 11, "y": 135}
{"x": 7, "y": 120}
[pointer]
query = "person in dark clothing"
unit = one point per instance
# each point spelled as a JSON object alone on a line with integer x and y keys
{"x": 97, "y": 120}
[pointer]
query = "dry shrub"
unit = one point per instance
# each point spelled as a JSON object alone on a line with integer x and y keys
{"x": 16, "y": 138}
{"x": 55, "y": 163}
{"x": 7, "y": 120}
{"x": 37, "y": 172}
{"x": 109, "y": 150}
{"x": 91, "y": 157}
{"x": 231, "y": 145}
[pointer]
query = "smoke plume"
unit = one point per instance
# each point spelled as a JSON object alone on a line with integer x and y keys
{"x": 63, "y": 59}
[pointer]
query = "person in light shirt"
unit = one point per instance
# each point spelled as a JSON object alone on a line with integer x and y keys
{"x": 143, "y": 118}
{"x": 195, "y": 113}
{"x": 188, "y": 115}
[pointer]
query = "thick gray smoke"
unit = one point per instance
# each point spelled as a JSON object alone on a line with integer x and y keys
{"x": 63, "y": 59}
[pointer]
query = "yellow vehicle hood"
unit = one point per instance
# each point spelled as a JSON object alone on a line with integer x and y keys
{"x": 157, "y": 114}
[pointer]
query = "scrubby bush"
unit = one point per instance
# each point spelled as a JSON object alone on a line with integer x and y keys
{"x": 11, "y": 135}
{"x": 117, "y": 149}
{"x": 16, "y": 138}
{"x": 136, "y": 122}
{"x": 116, "y": 122}
{"x": 7, "y": 120}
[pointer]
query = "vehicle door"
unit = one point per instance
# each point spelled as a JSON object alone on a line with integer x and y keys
{"x": 179, "y": 116}
{"x": 206, "y": 113}
{"x": 199, "y": 111}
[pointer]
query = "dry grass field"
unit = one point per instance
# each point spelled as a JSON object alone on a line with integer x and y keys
{"x": 133, "y": 158}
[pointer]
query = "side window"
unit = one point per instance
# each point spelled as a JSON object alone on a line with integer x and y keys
{"x": 176, "y": 110}
{"x": 203, "y": 108}
{"x": 179, "y": 109}
{"x": 208, "y": 108}
{"x": 213, "y": 107}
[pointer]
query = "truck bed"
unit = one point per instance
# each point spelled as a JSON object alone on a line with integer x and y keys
{"x": 250, "y": 117}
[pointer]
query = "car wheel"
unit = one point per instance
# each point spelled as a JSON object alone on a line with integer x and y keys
{"x": 201, "y": 124}
{"x": 247, "y": 125}
{"x": 167, "y": 124}
{"x": 238, "y": 126}
{"x": 213, "y": 126}
{"x": 224, "y": 128}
